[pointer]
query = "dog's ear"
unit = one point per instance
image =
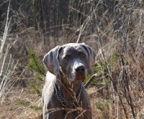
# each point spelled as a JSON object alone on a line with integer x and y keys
{"x": 91, "y": 57}
{"x": 51, "y": 61}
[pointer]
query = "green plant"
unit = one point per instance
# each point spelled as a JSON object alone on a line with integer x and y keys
{"x": 36, "y": 65}
{"x": 101, "y": 69}
{"x": 101, "y": 106}
{"x": 37, "y": 89}
{"x": 35, "y": 107}
{"x": 23, "y": 103}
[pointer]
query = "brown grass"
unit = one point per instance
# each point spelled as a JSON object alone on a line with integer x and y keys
{"x": 117, "y": 91}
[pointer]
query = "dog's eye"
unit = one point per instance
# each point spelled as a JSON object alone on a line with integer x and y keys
{"x": 67, "y": 57}
{"x": 82, "y": 55}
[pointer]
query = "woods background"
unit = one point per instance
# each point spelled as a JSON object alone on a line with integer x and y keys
{"x": 114, "y": 28}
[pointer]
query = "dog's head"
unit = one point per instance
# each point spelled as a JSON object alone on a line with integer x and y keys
{"x": 74, "y": 60}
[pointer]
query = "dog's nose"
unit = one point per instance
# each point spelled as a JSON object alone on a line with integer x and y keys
{"x": 80, "y": 69}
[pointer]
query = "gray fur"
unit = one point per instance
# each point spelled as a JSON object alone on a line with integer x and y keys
{"x": 67, "y": 67}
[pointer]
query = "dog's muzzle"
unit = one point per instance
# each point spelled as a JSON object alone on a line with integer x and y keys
{"x": 80, "y": 73}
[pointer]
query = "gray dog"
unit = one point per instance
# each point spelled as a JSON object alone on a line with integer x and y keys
{"x": 64, "y": 96}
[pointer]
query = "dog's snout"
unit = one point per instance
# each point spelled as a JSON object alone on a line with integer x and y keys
{"x": 80, "y": 69}
{"x": 80, "y": 72}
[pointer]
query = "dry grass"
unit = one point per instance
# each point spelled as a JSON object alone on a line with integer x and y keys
{"x": 117, "y": 91}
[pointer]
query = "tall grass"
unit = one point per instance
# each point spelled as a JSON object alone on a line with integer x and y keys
{"x": 3, "y": 57}
{"x": 117, "y": 35}
{"x": 7, "y": 63}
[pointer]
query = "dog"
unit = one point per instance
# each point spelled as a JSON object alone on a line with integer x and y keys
{"x": 64, "y": 96}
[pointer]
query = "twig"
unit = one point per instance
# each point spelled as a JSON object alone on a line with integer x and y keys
{"x": 5, "y": 31}
{"x": 90, "y": 80}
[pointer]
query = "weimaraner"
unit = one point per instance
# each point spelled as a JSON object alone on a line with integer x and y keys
{"x": 64, "y": 96}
